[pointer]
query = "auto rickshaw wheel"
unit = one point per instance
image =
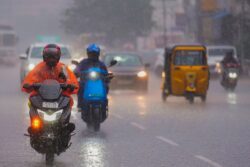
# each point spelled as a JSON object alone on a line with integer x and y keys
{"x": 190, "y": 98}
{"x": 164, "y": 97}
{"x": 203, "y": 98}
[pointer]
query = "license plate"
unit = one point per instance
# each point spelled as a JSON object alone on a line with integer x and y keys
{"x": 50, "y": 105}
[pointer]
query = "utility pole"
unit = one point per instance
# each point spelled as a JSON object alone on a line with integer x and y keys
{"x": 165, "y": 14}
{"x": 241, "y": 31}
{"x": 164, "y": 22}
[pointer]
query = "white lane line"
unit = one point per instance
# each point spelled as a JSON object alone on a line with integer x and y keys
{"x": 204, "y": 159}
{"x": 138, "y": 126}
{"x": 117, "y": 116}
{"x": 168, "y": 141}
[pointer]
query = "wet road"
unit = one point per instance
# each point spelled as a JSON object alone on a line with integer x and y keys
{"x": 141, "y": 130}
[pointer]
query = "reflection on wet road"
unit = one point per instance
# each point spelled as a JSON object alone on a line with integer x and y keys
{"x": 93, "y": 151}
{"x": 141, "y": 130}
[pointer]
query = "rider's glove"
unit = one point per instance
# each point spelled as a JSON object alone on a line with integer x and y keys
{"x": 71, "y": 87}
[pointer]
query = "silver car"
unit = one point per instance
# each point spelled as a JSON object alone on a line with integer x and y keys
{"x": 33, "y": 56}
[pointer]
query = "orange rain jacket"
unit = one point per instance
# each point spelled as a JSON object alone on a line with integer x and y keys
{"x": 42, "y": 72}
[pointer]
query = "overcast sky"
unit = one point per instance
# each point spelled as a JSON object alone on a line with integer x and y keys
{"x": 33, "y": 17}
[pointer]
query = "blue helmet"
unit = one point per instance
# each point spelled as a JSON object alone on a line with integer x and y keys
{"x": 93, "y": 48}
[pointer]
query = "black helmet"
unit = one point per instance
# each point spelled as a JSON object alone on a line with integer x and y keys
{"x": 51, "y": 54}
{"x": 93, "y": 51}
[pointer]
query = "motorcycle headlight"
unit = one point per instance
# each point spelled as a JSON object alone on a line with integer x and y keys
{"x": 233, "y": 75}
{"x": 50, "y": 117}
{"x": 93, "y": 75}
{"x": 141, "y": 74}
{"x": 31, "y": 66}
{"x": 218, "y": 65}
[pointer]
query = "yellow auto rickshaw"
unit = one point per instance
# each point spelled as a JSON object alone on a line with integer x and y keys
{"x": 185, "y": 72}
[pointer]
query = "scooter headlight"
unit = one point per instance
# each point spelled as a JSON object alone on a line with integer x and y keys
{"x": 233, "y": 75}
{"x": 93, "y": 75}
{"x": 50, "y": 117}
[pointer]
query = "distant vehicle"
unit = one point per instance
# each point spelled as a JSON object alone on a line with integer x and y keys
{"x": 230, "y": 76}
{"x": 33, "y": 56}
{"x": 159, "y": 62}
{"x": 215, "y": 56}
{"x": 150, "y": 56}
{"x": 8, "y": 41}
{"x": 129, "y": 72}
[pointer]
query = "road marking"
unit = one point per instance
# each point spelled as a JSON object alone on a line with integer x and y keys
{"x": 137, "y": 125}
{"x": 74, "y": 114}
{"x": 204, "y": 159}
{"x": 117, "y": 116}
{"x": 168, "y": 141}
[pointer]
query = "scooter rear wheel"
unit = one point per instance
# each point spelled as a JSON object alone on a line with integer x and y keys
{"x": 49, "y": 158}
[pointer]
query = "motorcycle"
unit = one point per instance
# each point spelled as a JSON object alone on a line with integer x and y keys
{"x": 50, "y": 131}
{"x": 94, "y": 100}
{"x": 230, "y": 76}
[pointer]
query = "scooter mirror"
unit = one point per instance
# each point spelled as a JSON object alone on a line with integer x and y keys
{"x": 113, "y": 62}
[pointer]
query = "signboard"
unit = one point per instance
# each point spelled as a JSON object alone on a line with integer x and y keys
{"x": 209, "y": 5}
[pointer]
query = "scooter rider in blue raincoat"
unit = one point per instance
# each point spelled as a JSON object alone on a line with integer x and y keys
{"x": 93, "y": 53}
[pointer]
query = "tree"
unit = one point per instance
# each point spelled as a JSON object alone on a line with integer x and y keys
{"x": 117, "y": 19}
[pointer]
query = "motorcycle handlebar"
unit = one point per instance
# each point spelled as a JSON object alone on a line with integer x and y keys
{"x": 36, "y": 86}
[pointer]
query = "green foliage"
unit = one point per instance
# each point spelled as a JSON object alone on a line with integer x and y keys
{"x": 117, "y": 19}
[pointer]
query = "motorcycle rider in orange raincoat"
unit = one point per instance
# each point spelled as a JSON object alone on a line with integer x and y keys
{"x": 51, "y": 68}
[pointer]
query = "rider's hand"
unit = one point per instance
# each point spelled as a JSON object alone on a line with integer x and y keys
{"x": 71, "y": 87}
{"x": 26, "y": 86}
{"x": 62, "y": 76}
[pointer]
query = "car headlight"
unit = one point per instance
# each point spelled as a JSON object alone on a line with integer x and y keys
{"x": 141, "y": 74}
{"x": 72, "y": 67}
{"x": 31, "y": 66}
{"x": 50, "y": 117}
{"x": 163, "y": 75}
{"x": 233, "y": 75}
{"x": 93, "y": 75}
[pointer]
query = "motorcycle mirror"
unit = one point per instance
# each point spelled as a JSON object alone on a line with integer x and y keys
{"x": 113, "y": 62}
{"x": 23, "y": 56}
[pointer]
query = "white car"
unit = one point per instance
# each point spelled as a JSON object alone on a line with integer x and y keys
{"x": 33, "y": 56}
{"x": 216, "y": 54}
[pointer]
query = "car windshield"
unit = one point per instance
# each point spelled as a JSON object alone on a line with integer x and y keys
{"x": 219, "y": 52}
{"x": 37, "y": 52}
{"x": 189, "y": 58}
{"x": 123, "y": 59}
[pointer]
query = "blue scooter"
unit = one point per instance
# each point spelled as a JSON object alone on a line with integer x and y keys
{"x": 94, "y": 100}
